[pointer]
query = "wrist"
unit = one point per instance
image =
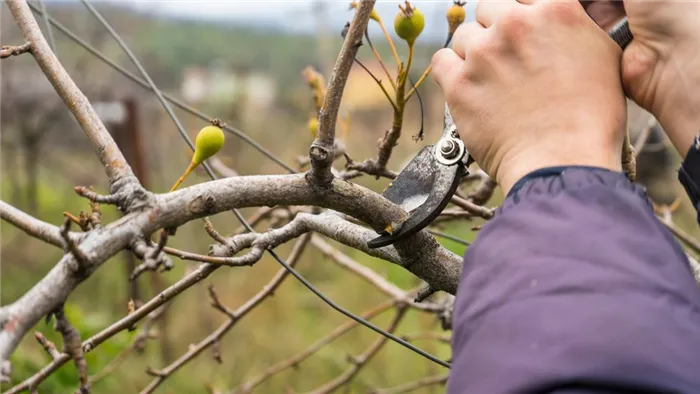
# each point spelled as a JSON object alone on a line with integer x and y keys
{"x": 517, "y": 168}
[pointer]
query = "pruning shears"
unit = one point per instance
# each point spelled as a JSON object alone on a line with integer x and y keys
{"x": 428, "y": 182}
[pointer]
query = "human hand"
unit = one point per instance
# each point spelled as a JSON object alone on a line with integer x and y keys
{"x": 534, "y": 84}
{"x": 661, "y": 66}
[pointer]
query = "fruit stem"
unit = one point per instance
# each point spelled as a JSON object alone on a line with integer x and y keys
{"x": 391, "y": 43}
{"x": 189, "y": 169}
{"x": 420, "y": 81}
{"x": 408, "y": 65}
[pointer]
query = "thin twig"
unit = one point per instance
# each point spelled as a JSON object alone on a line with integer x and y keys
{"x": 413, "y": 386}
{"x": 644, "y": 135}
{"x": 162, "y": 374}
{"x": 379, "y": 59}
{"x": 196, "y": 276}
{"x": 476, "y": 210}
{"x": 381, "y": 86}
{"x": 72, "y": 346}
{"x": 9, "y": 50}
{"x": 359, "y": 362}
{"x": 682, "y": 235}
{"x": 34, "y": 227}
{"x": 292, "y": 362}
{"x": 47, "y": 345}
{"x": 72, "y": 248}
{"x": 419, "y": 82}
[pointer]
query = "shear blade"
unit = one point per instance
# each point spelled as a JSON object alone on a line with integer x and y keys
{"x": 425, "y": 186}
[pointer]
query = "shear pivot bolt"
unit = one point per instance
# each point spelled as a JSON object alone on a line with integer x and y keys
{"x": 449, "y": 149}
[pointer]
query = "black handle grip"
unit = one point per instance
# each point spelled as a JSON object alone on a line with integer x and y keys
{"x": 621, "y": 33}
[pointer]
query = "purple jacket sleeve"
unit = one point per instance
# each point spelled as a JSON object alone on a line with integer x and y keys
{"x": 576, "y": 287}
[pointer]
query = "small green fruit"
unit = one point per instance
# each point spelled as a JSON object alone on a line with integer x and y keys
{"x": 409, "y": 23}
{"x": 209, "y": 141}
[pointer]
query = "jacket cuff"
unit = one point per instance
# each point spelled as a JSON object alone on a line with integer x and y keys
{"x": 550, "y": 181}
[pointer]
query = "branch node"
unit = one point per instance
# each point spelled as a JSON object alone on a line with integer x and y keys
{"x": 152, "y": 255}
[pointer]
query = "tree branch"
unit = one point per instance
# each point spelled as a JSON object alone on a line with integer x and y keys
{"x": 234, "y": 317}
{"x": 247, "y": 387}
{"x": 196, "y": 276}
{"x": 36, "y": 228}
{"x": 9, "y": 50}
{"x": 413, "y": 386}
{"x": 420, "y": 254}
{"x": 358, "y": 362}
{"x": 321, "y": 151}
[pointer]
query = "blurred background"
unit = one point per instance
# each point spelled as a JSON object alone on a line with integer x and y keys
{"x": 243, "y": 62}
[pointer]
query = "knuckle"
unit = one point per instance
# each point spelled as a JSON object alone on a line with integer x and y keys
{"x": 438, "y": 58}
{"x": 561, "y": 11}
{"x": 514, "y": 23}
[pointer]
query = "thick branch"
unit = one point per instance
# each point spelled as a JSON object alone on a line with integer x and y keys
{"x": 109, "y": 154}
{"x": 321, "y": 152}
{"x": 420, "y": 254}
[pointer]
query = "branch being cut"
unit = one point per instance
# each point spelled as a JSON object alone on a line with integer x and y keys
{"x": 321, "y": 151}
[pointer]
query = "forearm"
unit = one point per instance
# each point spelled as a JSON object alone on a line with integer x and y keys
{"x": 575, "y": 284}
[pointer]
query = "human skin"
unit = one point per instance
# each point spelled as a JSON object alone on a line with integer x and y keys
{"x": 533, "y": 84}
{"x": 661, "y": 66}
